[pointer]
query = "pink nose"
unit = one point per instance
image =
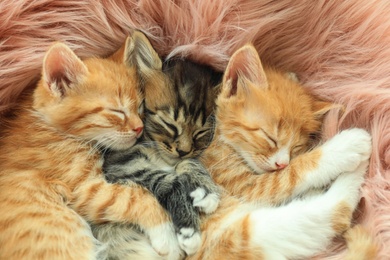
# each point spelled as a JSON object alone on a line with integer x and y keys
{"x": 280, "y": 166}
{"x": 138, "y": 130}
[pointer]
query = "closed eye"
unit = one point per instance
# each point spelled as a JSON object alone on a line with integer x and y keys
{"x": 296, "y": 148}
{"x": 199, "y": 134}
{"x": 167, "y": 145}
{"x": 119, "y": 113}
{"x": 172, "y": 127}
{"x": 273, "y": 141}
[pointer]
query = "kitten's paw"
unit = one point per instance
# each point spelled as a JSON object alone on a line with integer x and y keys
{"x": 186, "y": 166}
{"x": 348, "y": 149}
{"x": 362, "y": 168}
{"x": 189, "y": 240}
{"x": 207, "y": 203}
{"x": 164, "y": 240}
{"x": 347, "y": 187}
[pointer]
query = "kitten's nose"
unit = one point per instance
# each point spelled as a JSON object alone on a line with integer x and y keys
{"x": 280, "y": 166}
{"x": 138, "y": 130}
{"x": 182, "y": 153}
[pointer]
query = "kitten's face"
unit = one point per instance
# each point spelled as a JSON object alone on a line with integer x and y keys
{"x": 268, "y": 120}
{"x": 177, "y": 134}
{"x": 178, "y": 113}
{"x": 95, "y": 100}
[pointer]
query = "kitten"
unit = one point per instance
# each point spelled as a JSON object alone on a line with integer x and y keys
{"x": 50, "y": 166}
{"x": 263, "y": 151}
{"x": 178, "y": 127}
{"x": 269, "y": 140}
{"x": 267, "y": 220}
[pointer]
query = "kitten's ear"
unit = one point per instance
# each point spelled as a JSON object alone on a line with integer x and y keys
{"x": 320, "y": 108}
{"x": 137, "y": 51}
{"x": 145, "y": 57}
{"x": 243, "y": 66}
{"x": 62, "y": 69}
{"x": 125, "y": 53}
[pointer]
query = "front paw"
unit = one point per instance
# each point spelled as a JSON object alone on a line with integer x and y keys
{"x": 206, "y": 202}
{"x": 189, "y": 240}
{"x": 348, "y": 149}
{"x": 164, "y": 240}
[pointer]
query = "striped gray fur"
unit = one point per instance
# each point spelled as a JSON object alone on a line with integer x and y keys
{"x": 179, "y": 125}
{"x": 171, "y": 185}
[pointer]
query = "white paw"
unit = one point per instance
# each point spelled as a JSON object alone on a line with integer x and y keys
{"x": 189, "y": 240}
{"x": 347, "y": 187}
{"x": 164, "y": 240}
{"x": 348, "y": 149}
{"x": 206, "y": 203}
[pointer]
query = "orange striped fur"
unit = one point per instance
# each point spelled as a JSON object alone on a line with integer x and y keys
{"x": 287, "y": 113}
{"x": 50, "y": 167}
{"x": 228, "y": 233}
{"x": 259, "y": 112}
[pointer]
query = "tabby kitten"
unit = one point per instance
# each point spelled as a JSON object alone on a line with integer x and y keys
{"x": 178, "y": 127}
{"x": 50, "y": 166}
{"x": 241, "y": 229}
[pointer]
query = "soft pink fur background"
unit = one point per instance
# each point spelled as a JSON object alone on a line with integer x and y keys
{"x": 339, "y": 49}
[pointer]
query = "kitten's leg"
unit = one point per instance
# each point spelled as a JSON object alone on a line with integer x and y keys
{"x": 42, "y": 227}
{"x": 314, "y": 169}
{"x": 190, "y": 187}
{"x": 305, "y": 227}
{"x": 342, "y": 153}
{"x": 184, "y": 216}
{"x": 197, "y": 190}
{"x": 98, "y": 201}
{"x": 124, "y": 241}
{"x": 181, "y": 191}
{"x": 297, "y": 230}
{"x": 203, "y": 190}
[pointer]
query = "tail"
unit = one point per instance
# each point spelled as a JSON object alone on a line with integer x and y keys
{"x": 361, "y": 245}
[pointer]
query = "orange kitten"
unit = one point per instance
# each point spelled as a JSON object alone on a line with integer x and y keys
{"x": 266, "y": 119}
{"x": 50, "y": 167}
{"x": 263, "y": 153}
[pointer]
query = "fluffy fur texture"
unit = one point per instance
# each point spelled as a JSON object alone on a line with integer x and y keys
{"x": 51, "y": 181}
{"x": 264, "y": 121}
{"x": 255, "y": 231}
{"x": 339, "y": 49}
{"x": 179, "y": 100}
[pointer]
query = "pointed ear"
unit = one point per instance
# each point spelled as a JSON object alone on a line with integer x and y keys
{"x": 145, "y": 57}
{"x": 243, "y": 66}
{"x": 62, "y": 69}
{"x": 320, "y": 108}
{"x": 125, "y": 53}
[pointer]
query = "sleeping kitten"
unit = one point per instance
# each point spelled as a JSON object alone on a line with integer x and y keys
{"x": 269, "y": 140}
{"x": 263, "y": 153}
{"x": 50, "y": 166}
{"x": 178, "y": 127}
{"x": 263, "y": 218}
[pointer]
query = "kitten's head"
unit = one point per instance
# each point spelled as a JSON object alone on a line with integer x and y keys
{"x": 96, "y": 100}
{"x": 265, "y": 115}
{"x": 179, "y": 103}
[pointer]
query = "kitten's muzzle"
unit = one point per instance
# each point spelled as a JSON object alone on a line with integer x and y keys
{"x": 182, "y": 153}
{"x": 138, "y": 131}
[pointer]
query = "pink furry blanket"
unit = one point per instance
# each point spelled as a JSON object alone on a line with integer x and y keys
{"x": 339, "y": 49}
